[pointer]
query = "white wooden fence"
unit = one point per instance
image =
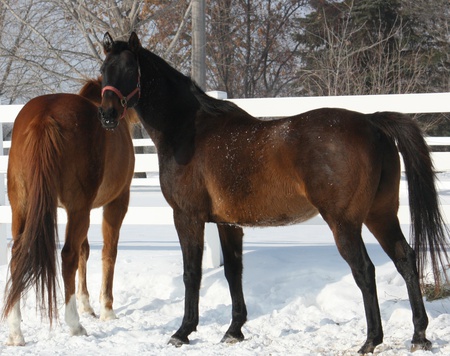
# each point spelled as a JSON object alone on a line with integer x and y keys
{"x": 267, "y": 107}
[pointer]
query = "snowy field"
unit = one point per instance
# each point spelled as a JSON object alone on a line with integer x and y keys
{"x": 300, "y": 295}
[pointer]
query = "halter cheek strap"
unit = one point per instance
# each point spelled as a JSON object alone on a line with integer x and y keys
{"x": 124, "y": 99}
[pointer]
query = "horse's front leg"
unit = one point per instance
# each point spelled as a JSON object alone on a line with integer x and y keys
{"x": 231, "y": 242}
{"x": 191, "y": 235}
{"x": 113, "y": 215}
{"x": 76, "y": 231}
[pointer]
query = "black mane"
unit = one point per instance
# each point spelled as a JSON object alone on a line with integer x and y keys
{"x": 214, "y": 106}
{"x": 209, "y": 104}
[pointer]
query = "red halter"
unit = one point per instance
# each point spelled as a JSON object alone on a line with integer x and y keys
{"x": 124, "y": 99}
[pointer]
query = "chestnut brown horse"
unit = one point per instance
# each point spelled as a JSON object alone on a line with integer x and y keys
{"x": 219, "y": 164}
{"x": 61, "y": 155}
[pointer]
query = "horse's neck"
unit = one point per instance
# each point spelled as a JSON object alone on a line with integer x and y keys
{"x": 153, "y": 118}
{"x": 129, "y": 126}
{"x": 131, "y": 118}
{"x": 166, "y": 106}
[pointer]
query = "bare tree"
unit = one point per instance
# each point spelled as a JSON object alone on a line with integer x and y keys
{"x": 250, "y": 49}
{"x": 54, "y": 45}
{"x": 21, "y": 60}
{"x": 349, "y": 48}
{"x": 6, "y": 65}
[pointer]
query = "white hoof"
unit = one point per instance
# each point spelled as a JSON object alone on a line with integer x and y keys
{"x": 78, "y": 331}
{"x": 107, "y": 314}
{"x": 84, "y": 307}
{"x": 15, "y": 339}
{"x": 73, "y": 319}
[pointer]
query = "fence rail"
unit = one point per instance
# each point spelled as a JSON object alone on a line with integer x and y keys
{"x": 268, "y": 107}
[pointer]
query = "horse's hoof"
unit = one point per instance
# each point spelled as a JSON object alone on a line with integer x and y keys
{"x": 425, "y": 346}
{"x": 107, "y": 314}
{"x": 78, "y": 331}
{"x": 367, "y": 348}
{"x": 87, "y": 313}
{"x": 15, "y": 340}
{"x": 232, "y": 339}
{"x": 177, "y": 341}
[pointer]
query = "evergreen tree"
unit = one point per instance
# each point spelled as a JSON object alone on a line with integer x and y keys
{"x": 373, "y": 47}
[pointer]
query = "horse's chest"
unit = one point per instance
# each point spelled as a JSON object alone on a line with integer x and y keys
{"x": 183, "y": 189}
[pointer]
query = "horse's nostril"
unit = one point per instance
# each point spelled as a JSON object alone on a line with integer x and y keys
{"x": 101, "y": 112}
{"x": 108, "y": 117}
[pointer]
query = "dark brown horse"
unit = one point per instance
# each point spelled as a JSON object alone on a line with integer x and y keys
{"x": 61, "y": 155}
{"x": 219, "y": 164}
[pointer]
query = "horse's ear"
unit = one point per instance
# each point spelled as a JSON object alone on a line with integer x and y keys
{"x": 134, "y": 43}
{"x": 107, "y": 42}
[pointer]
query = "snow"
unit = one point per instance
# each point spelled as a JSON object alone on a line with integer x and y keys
{"x": 300, "y": 295}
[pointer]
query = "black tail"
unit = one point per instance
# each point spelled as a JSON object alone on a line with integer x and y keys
{"x": 428, "y": 230}
{"x": 33, "y": 260}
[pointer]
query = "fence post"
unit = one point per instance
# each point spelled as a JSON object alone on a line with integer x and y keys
{"x": 212, "y": 255}
{"x": 3, "y": 244}
{"x": 217, "y": 94}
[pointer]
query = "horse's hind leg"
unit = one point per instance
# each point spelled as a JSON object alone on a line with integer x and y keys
{"x": 76, "y": 232}
{"x": 84, "y": 306}
{"x": 113, "y": 215}
{"x": 15, "y": 337}
{"x": 231, "y": 241}
{"x": 388, "y": 232}
{"x": 351, "y": 247}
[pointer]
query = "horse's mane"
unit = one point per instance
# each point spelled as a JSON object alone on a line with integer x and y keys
{"x": 92, "y": 90}
{"x": 214, "y": 106}
{"x": 210, "y": 105}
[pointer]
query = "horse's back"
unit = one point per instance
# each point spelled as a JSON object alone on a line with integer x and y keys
{"x": 66, "y": 110}
{"x": 71, "y": 116}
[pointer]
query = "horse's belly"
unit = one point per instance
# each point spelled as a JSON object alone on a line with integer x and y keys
{"x": 257, "y": 212}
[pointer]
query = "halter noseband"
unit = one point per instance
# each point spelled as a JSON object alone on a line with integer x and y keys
{"x": 124, "y": 99}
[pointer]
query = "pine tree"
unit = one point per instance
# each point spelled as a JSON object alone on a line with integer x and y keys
{"x": 373, "y": 47}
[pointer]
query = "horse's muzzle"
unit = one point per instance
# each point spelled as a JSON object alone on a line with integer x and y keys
{"x": 109, "y": 118}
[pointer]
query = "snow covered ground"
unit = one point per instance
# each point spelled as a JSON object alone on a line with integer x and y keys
{"x": 300, "y": 295}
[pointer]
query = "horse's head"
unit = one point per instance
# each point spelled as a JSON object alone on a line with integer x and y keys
{"x": 121, "y": 79}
